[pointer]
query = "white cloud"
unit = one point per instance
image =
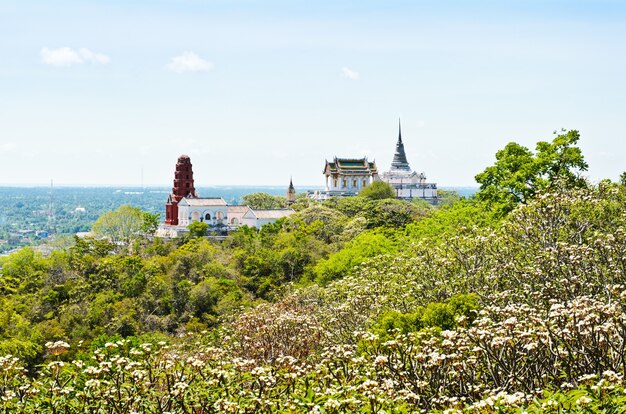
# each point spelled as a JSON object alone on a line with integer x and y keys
{"x": 349, "y": 73}
{"x": 7, "y": 147}
{"x": 188, "y": 62}
{"x": 65, "y": 56}
{"x": 93, "y": 57}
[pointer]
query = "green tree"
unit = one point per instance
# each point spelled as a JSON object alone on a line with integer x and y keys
{"x": 150, "y": 223}
{"x": 198, "y": 229}
{"x": 447, "y": 198}
{"x": 378, "y": 190}
{"x": 452, "y": 220}
{"x": 22, "y": 271}
{"x": 120, "y": 226}
{"x": 362, "y": 247}
{"x": 394, "y": 213}
{"x": 263, "y": 201}
{"x": 324, "y": 223}
{"x": 518, "y": 173}
{"x": 350, "y": 206}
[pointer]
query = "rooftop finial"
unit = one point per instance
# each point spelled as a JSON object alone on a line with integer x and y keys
{"x": 399, "y": 131}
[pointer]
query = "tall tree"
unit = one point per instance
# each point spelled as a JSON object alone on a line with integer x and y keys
{"x": 518, "y": 173}
{"x": 121, "y": 225}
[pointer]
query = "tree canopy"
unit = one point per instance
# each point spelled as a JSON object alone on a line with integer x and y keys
{"x": 198, "y": 229}
{"x": 378, "y": 190}
{"x": 124, "y": 224}
{"x": 518, "y": 173}
{"x": 264, "y": 201}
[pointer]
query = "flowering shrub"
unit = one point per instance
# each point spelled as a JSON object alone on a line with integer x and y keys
{"x": 528, "y": 317}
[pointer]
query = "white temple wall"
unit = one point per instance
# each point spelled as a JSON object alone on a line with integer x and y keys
{"x": 350, "y": 183}
{"x": 237, "y": 216}
{"x": 189, "y": 214}
{"x": 416, "y": 193}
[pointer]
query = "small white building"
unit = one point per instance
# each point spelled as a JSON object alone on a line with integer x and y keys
{"x": 218, "y": 214}
{"x": 257, "y": 218}
{"x": 184, "y": 207}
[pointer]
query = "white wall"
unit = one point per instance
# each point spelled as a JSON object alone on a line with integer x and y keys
{"x": 330, "y": 182}
{"x": 189, "y": 214}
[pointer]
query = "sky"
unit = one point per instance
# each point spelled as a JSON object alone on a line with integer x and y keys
{"x": 258, "y": 91}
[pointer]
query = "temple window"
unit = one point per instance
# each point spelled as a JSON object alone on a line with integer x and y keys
{"x": 354, "y": 183}
{"x": 345, "y": 183}
{"x": 207, "y": 216}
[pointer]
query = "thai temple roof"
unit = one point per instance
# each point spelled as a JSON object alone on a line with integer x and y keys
{"x": 400, "y": 162}
{"x": 350, "y": 166}
{"x": 238, "y": 209}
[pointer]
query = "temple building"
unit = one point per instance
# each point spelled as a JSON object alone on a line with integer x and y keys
{"x": 346, "y": 177}
{"x": 407, "y": 183}
{"x": 184, "y": 207}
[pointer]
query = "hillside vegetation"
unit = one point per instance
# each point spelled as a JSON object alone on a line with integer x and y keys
{"x": 511, "y": 302}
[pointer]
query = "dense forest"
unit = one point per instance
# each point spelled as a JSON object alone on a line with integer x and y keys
{"x": 510, "y": 301}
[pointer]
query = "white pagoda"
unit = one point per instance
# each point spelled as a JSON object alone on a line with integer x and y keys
{"x": 408, "y": 184}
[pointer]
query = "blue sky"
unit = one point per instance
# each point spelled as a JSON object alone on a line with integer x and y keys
{"x": 258, "y": 91}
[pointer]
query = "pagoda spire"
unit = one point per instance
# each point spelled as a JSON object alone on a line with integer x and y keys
{"x": 400, "y": 162}
{"x": 291, "y": 193}
{"x": 183, "y": 187}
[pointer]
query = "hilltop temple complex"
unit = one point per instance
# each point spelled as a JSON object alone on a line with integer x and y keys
{"x": 184, "y": 207}
{"x": 344, "y": 177}
{"x": 347, "y": 176}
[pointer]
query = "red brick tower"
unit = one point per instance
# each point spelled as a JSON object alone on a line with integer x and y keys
{"x": 183, "y": 187}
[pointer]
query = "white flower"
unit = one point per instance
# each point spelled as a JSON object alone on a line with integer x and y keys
{"x": 381, "y": 360}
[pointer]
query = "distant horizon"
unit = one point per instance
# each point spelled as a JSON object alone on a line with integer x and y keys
{"x": 149, "y": 186}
